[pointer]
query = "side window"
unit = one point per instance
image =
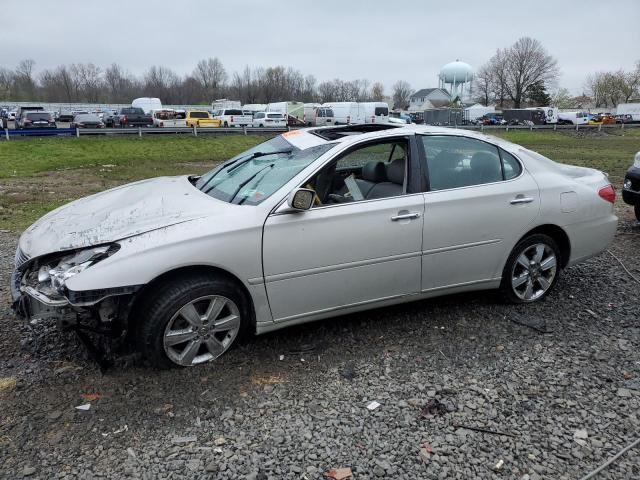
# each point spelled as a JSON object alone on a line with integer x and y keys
{"x": 510, "y": 165}
{"x": 454, "y": 162}
{"x": 370, "y": 172}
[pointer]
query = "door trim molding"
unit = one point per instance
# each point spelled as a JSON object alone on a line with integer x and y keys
{"x": 460, "y": 246}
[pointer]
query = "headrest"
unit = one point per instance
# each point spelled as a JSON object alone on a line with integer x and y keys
{"x": 485, "y": 161}
{"x": 395, "y": 171}
{"x": 374, "y": 172}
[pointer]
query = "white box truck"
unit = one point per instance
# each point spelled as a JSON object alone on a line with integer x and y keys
{"x": 374, "y": 112}
{"x": 632, "y": 109}
{"x": 294, "y": 111}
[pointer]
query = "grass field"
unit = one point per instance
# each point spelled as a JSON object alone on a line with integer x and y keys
{"x": 37, "y": 175}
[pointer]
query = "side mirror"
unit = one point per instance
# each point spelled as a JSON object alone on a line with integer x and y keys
{"x": 301, "y": 199}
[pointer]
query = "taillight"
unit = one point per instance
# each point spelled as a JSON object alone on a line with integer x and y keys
{"x": 125, "y": 119}
{"x": 348, "y": 119}
{"x": 373, "y": 119}
{"x": 608, "y": 193}
{"x": 161, "y": 124}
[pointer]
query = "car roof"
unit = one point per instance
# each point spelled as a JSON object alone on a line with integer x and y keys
{"x": 307, "y": 137}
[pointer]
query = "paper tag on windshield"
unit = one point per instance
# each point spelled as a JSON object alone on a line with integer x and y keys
{"x": 353, "y": 187}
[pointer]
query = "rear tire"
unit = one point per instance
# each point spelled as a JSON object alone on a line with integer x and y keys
{"x": 532, "y": 270}
{"x": 191, "y": 320}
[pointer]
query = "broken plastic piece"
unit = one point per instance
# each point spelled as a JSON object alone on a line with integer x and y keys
{"x": 339, "y": 473}
{"x": 373, "y": 405}
{"x": 85, "y": 407}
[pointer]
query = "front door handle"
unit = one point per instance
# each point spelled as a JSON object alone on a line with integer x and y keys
{"x": 521, "y": 199}
{"x": 405, "y": 216}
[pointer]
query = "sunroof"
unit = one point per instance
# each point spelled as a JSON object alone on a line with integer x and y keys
{"x": 335, "y": 133}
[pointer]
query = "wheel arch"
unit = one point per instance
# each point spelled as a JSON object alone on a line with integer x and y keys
{"x": 559, "y": 236}
{"x": 175, "y": 275}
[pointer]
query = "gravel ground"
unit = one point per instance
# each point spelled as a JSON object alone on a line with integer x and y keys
{"x": 555, "y": 386}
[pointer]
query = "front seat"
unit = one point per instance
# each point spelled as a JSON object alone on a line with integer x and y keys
{"x": 373, "y": 173}
{"x": 395, "y": 186}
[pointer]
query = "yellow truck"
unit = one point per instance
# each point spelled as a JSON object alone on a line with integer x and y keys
{"x": 201, "y": 118}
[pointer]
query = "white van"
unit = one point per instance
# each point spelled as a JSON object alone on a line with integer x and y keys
{"x": 293, "y": 111}
{"x": 573, "y": 118}
{"x": 345, "y": 113}
{"x": 148, "y": 104}
{"x": 374, "y": 112}
{"x": 310, "y": 114}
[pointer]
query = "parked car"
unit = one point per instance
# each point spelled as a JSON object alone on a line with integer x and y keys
{"x": 624, "y": 118}
{"x": 602, "y": 119}
{"x": 65, "y": 116}
{"x": 201, "y": 118}
{"x": 110, "y": 118}
{"x": 87, "y": 120}
{"x": 631, "y": 187}
{"x": 167, "y": 118}
{"x": 21, "y": 111}
{"x": 133, "y": 117}
{"x": 492, "y": 119}
{"x": 311, "y": 224}
{"x": 36, "y": 119}
{"x": 293, "y": 111}
{"x": 269, "y": 119}
{"x": 232, "y": 117}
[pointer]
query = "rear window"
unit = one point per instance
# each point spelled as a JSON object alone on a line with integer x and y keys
{"x": 134, "y": 111}
{"x": 37, "y": 116}
{"x": 199, "y": 115}
{"x": 381, "y": 111}
{"x": 233, "y": 112}
{"x": 328, "y": 113}
{"x": 275, "y": 115}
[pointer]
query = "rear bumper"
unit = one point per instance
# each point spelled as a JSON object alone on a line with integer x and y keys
{"x": 590, "y": 238}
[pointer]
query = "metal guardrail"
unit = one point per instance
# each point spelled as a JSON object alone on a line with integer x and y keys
{"x": 140, "y": 131}
{"x": 195, "y": 131}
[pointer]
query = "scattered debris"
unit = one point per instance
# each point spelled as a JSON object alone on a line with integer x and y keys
{"x": 198, "y": 422}
{"x": 433, "y": 408}
{"x": 131, "y": 453}
{"x": 84, "y": 407}
{"x": 120, "y": 430}
{"x": 339, "y": 473}
{"x": 219, "y": 441}
{"x": 498, "y": 465}
{"x": 91, "y": 397}
{"x": 484, "y": 430}
{"x": 164, "y": 409}
{"x": 636, "y": 279}
{"x": 7, "y": 384}
{"x": 373, "y": 405}
{"x": 540, "y": 326}
{"x": 281, "y": 357}
{"x": 267, "y": 379}
{"x": 187, "y": 439}
{"x": 425, "y": 452}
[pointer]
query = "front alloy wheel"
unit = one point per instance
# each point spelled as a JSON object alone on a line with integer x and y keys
{"x": 202, "y": 330}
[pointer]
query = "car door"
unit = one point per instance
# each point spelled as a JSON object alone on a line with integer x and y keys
{"x": 341, "y": 255}
{"x": 480, "y": 201}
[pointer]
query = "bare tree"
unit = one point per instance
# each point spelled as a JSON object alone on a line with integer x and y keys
{"x": 161, "y": 82}
{"x": 484, "y": 85}
{"x": 377, "y": 92}
{"x": 561, "y": 98}
{"x": 401, "y": 93}
{"x": 23, "y": 79}
{"x": 212, "y": 76}
{"x": 527, "y": 63}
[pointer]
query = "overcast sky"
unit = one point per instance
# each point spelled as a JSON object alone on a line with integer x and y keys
{"x": 374, "y": 39}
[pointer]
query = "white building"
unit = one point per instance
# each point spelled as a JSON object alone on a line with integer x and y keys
{"x": 429, "y": 98}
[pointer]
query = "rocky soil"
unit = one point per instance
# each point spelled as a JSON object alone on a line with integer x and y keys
{"x": 468, "y": 388}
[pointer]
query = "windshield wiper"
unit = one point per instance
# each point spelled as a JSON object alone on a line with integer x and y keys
{"x": 241, "y": 186}
{"x": 241, "y": 161}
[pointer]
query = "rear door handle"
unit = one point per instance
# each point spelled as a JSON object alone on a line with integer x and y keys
{"x": 405, "y": 216}
{"x": 519, "y": 199}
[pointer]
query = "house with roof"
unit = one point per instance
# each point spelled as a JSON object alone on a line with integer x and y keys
{"x": 428, "y": 98}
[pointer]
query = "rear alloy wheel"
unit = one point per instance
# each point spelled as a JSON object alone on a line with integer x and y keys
{"x": 531, "y": 270}
{"x": 191, "y": 320}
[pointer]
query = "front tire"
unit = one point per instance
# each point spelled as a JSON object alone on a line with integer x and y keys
{"x": 532, "y": 270}
{"x": 191, "y": 320}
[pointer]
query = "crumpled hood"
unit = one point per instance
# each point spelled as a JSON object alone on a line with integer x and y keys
{"x": 116, "y": 214}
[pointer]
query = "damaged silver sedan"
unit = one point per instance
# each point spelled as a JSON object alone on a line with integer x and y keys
{"x": 310, "y": 224}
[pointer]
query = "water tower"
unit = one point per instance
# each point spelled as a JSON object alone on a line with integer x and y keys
{"x": 456, "y": 78}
